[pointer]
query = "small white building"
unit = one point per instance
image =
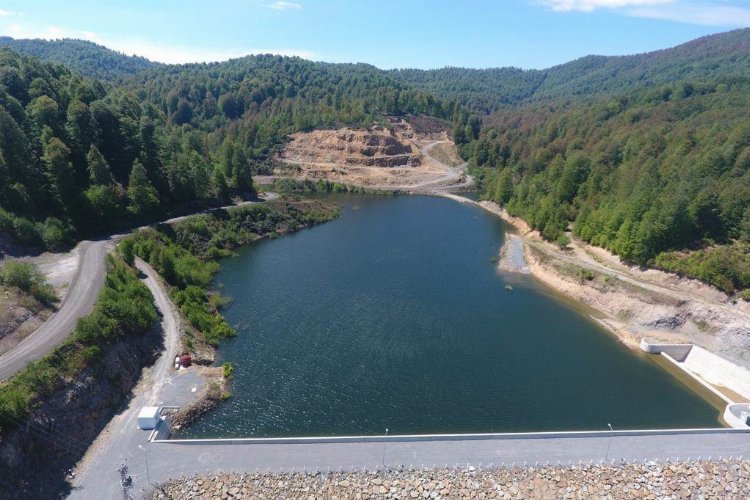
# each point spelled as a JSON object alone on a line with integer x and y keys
{"x": 149, "y": 417}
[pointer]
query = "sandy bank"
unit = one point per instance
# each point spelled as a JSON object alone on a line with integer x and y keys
{"x": 632, "y": 302}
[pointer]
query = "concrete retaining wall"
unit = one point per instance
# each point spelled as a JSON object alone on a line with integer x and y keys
{"x": 733, "y": 415}
{"x": 162, "y": 431}
{"x": 677, "y": 351}
{"x": 718, "y": 371}
{"x": 414, "y": 438}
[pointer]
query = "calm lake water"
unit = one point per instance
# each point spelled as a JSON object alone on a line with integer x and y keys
{"x": 395, "y": 316}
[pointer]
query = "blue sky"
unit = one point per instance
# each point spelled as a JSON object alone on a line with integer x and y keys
{"x": 386, "y": 33}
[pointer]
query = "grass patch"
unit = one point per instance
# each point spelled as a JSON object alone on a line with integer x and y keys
{"x": 26, "y": 277}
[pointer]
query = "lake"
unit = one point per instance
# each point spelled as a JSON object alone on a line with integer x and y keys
{"x": 395, "y": 316}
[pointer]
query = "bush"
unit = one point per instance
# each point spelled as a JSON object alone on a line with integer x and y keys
{"x": 727, "y": 267}
{"x": 26, "y": 232}
{"x": 227, "y": 370}
{"x": 563, "y": 241}
{"x": 124, "y": 307}
{"x": 585, "y": 275}
{"x": 26, "y": 277}
{"x": 56, "y": 234}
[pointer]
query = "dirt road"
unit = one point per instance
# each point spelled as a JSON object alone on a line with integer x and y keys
{"x": 635, "y": 301}
{"x": 121, "y": 441}
{"x": 78, "y": 301}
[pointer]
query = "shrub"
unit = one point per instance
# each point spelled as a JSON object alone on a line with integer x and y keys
{"x": 227, "y": 370}
{"x": 56, "y": 234}
{"x": 26, "y": 277}
{"x": 563, "y": 241}
{"x": 585, "y": 275}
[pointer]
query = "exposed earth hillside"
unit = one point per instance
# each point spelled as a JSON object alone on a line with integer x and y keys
{"x": 407, "y": 155}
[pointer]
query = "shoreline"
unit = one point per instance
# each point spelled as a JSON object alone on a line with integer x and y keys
{"x": 536, "y": 270}
{"x": 625, "y": 306}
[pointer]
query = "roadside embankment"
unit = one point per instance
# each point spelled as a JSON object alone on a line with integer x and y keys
{"x": 54, "y": 408}
{"x": 663, "y": 480}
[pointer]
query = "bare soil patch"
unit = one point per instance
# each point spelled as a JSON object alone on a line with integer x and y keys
{"x": 20, "y": 315}
{"x": 407, "y": 155}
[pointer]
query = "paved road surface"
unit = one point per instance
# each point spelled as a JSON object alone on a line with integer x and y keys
{"x": 172, "y": 459}
{"x": 79, "y": 301}
{"x": 120, "y": 440}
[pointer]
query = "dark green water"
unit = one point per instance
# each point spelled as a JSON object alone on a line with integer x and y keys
{"x": 394, "y": 316}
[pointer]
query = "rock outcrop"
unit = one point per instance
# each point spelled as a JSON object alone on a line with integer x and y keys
{"x": 36, "y": 454}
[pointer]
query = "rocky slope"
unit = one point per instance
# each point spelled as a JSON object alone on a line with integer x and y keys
{"x": 374, "y": 147}
{"x": 394, "y": 158}
{"x": 35, "y": 456}
{"x": 671, "y": 480}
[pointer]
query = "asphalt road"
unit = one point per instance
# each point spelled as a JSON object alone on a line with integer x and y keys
{"x": 175, "y": 459}
{"x": 119, "y": 442}
{"x": 79, "y": 301}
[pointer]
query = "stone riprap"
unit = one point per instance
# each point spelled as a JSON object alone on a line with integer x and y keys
{"x": 726, "y": 479}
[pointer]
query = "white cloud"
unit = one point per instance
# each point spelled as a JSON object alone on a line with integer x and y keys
{"x": 8, "y": 13}
{"x": 590, "y": 5}
{"x": 705, "y": 12}
{"x": 708, "y": 15}
{"x": 281, "y": 5}
{"x": 156, "y": 51}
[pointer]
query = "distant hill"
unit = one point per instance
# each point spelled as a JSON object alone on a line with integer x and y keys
{"x": 725, "y": 54}
{"x": 483, "y": 90}
{"x": 82, "y": 56}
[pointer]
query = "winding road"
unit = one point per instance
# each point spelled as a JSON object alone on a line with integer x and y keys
{"x": 79, "y": 300}
{"x": 119, "y": 443}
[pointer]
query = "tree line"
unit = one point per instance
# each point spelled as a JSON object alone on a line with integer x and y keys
{"x": 643, "y": 174}
{"x": 79, "y": 156}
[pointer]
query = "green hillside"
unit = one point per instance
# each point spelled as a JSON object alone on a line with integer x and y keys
{"x": 81, "y": 157}
{"x": 87, "y": 58}
{"x": 485, "y": 90}
{"x": 642, "y": 174}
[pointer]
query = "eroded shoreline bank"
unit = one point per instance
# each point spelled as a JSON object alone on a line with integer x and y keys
{"x": 632, "y": 303}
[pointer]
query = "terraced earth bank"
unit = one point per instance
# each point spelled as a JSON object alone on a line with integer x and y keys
{"x": 412, "y": 153}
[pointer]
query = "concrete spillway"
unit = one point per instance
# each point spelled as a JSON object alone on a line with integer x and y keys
{"x": 726, "y": 380}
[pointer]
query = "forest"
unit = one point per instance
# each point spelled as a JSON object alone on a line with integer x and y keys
{"x": 493, "y": 89}
{"x": 643, "y": 175}
{"x": 80, "y": 156}
{"x": 645, "y": 155}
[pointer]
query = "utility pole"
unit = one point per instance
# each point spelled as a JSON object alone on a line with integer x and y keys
{"x": 609, "y": 441}
{"x": 385, "y": 438}
{"x": 145, "y": 457}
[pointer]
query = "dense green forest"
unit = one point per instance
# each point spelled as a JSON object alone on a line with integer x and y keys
{"x": 81, "y": 157}
{"x": 486, "y": 90}
{"x": 646, "y": 155}
{"x": 640, "y": 174}
{"x": 86, "y": 58}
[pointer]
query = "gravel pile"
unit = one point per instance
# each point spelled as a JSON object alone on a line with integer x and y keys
{"x": 663, "y": 480}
